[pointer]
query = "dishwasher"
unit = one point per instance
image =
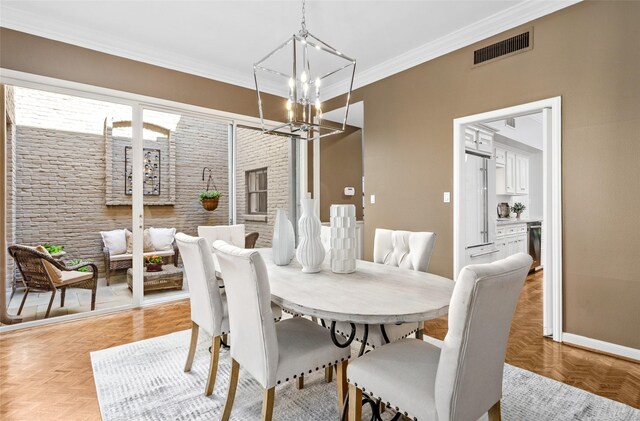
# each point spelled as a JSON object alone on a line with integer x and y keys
{"x": 534, "y": 230}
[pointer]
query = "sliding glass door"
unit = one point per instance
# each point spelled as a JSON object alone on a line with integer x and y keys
{"x": 63, "y": 185}
{"x": 185, "y": 157}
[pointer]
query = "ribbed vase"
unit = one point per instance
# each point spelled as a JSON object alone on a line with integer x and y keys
{"x": 343, "y": 238}
{"x": 310, "y": 252}
{"x": 283, "y": 241}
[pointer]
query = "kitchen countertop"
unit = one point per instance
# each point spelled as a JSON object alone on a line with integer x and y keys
{"x": 511, "y": 221}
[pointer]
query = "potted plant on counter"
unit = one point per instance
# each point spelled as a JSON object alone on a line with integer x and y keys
{"x": 153, "y": 263}
{"x": 518, "y": 208}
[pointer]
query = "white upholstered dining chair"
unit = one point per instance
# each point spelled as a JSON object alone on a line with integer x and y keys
{"x": 232, "y": 234}
{"x": 208, "y": 305}
{"x": 457, "y": 379}
{"x": 272, "y": 353}
{"x": 403, "y": 249}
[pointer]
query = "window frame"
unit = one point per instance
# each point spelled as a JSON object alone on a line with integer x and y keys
{"x": 248, "y": 192}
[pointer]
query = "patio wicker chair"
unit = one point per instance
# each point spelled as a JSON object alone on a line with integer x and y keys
{"x": 35, "y": 276}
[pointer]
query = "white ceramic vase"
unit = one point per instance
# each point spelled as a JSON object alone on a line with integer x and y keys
{"x": 310, "y": 252}
{"x": 283, "y": 241}
{"x": 343, "y": 238}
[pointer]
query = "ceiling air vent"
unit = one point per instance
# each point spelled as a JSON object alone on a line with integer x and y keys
{"x": 516, "y": 44}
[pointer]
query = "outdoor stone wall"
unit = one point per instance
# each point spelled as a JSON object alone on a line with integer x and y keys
{"x": 256, "y": 150}
{"x": 60, "y": 182}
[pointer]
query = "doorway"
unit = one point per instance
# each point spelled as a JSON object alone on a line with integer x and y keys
{"x": 550, "y": 111}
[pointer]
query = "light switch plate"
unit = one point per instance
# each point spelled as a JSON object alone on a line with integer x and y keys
{"x": 446, "y": 197}
{"x": 373, "y": 199}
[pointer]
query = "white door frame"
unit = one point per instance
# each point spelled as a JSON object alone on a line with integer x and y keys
{"x": 552, "y": 191}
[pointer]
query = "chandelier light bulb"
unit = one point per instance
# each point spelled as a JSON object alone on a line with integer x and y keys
{"x": 318, "y": 81}
{"x": 303, "y": 77}
{"x": 291, "y": 83}
{"x": 317, "y": 103}
{"x": 288, "y": 105}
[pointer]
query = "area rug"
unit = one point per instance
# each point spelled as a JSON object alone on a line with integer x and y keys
{"x": 145, "y": 381}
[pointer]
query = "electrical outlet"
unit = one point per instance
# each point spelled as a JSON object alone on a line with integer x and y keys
{"x": 373, "y": 199}
{"x": 446, "y": 197}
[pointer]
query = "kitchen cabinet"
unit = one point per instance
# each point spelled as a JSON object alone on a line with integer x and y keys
{"x": 479, "y": 139}
{"x": 522, "y": 174}
{"x": 512, "y": 178}
{"x": 511, "y": 239}
{"x": 500, "y": 157}
{"x": 510, "y": 173}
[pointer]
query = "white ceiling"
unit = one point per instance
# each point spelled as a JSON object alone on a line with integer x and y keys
{"x": 222, "y": 39}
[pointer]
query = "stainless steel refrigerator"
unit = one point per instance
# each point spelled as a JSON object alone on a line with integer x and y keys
{"x": 480, "y": 199}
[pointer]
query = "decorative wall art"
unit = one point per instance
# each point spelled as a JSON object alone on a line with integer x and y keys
{"x": 151, "y": 177}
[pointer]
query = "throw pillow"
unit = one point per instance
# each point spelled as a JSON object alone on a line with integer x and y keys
{"x": 147, "y": 244}
{"x": 54, "y": 273}
{"x": 115, "y": 241}
{"x": 162, "y": 238}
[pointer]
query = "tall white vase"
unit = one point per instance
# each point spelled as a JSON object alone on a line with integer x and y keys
{"x": 343, "y": 238}
{"x": 310, "y": 252}
{"x": 283, "y": 241}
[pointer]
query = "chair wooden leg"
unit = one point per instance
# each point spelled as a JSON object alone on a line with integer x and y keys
{"x": 63, "y": 292}
{"x": 494, "y": 412}
{"x": 267, "y": 404}
{"x": 341, "y": 384}
{"x": 231, "y": 393}
{"x": 53, "y": 296}
{"x": 328, "y": 374}
{"x": 213, "y": 368}
{"x": 26, "y": 292}
{"x": 355, "y": 403}
{"x": 300, "y": 383}
{"x": 192, "y": 346}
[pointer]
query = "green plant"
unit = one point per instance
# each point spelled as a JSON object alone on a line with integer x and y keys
{"x": 152, "y": 259}
{"x": 53, "y": 249}
{"x": 518, "y": 207}
{"x": 209, "y": 194}
{"x": 76, "y": 262}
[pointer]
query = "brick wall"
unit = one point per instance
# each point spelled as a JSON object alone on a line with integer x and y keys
{"x": 60, "y": 181}
{"x": 256, "y": 150}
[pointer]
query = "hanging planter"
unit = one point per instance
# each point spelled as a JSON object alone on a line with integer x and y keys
{"x": 209, "y": 198}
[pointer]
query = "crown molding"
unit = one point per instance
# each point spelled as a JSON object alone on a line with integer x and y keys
{"x": 33, "y": 24}
{"x": 514, "y": 16}
{"x": 510, "y": 18}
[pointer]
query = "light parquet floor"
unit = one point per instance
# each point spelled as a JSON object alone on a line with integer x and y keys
{"x": 45, "y": 373}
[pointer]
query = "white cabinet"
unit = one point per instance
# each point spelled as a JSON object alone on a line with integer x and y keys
{"x": 511, "y": 239}
{"x": 522, "y": 174}
{"x": 512, "y": 178}
{"x": 500, "y": 157}
{"x": 510, "y": 173}
{"x": 479, "y": 139}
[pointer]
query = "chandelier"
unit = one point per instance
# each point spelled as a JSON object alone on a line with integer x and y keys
{"x": 296, "y": 73}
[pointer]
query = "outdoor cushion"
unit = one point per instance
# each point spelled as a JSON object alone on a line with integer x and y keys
{"x": 54, "y": 273}
{"x": 72, "y": 276}
{"x": 115, "y": 241}
{"x": 147, "y": 244}
{"x": 162, "y": 238}
{"x": 129, "y": 256}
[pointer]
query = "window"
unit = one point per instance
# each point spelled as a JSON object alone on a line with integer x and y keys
{"x": 257, "y": 191}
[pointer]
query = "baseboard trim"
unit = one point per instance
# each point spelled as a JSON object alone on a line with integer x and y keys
{"x": 602, "y": 347}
